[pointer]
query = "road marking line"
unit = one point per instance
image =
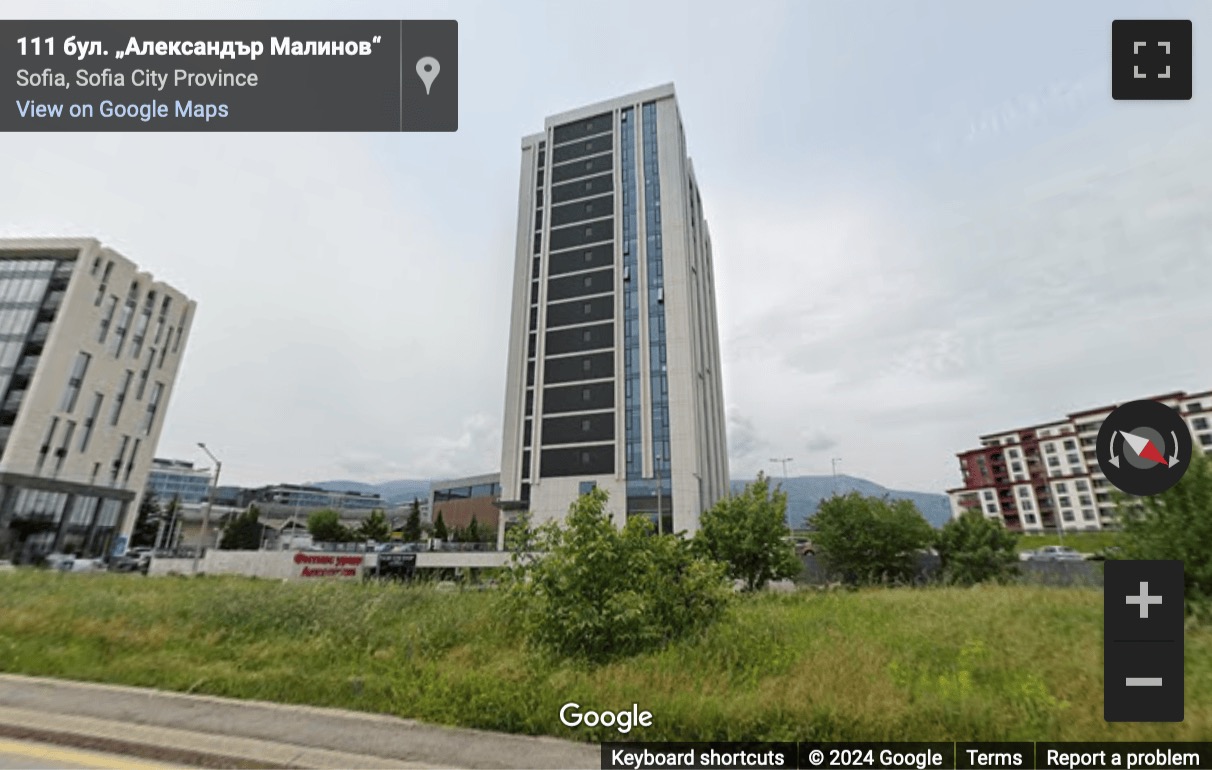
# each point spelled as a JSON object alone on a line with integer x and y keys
{"x": 1144, "y": 681}
{"x": 86, "y": 758}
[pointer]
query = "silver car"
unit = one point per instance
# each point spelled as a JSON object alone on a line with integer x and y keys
{"x": 1057, "y": 553}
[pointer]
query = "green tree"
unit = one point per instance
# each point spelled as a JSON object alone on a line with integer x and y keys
{"x": 243, "y": 531}
{"x": 412, "y": 526}
{"x": 596, "y": 592}
{"x": 172, "y": 535}
{"x": 749, "y": 533}
{"x": 870, "y": 539}
{"x": 474, "y": 532}
{"x": 147, "y": 524}
{"x": 976, "y": 549}
{"x": 325, "y": 526}
{"x": 1177, "y": 524}
{"x": 439, "y": 528}
{"x": 375, "y": 527}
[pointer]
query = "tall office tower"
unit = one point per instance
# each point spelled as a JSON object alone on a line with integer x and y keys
{"x": 89, "y": 351}
{"x": 614, "y": 361}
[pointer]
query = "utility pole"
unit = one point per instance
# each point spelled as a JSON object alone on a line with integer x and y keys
{"x": 209, "y": 505}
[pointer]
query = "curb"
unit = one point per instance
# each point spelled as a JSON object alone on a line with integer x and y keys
{"x": 181, "y": 747}
{"x": 214, "y": 732}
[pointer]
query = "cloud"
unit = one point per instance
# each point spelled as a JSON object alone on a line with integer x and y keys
{"x": 1057, "y": 100}
{"x": 747, "y": 451}
{"x": 906, "y": 340}
{"x": 819, "y": 442}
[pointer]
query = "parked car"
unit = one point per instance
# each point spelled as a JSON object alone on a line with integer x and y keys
{"x": 59, "y": 561}
{"x": 66, "y": 562}
{"x": 1056, "y": 553}
{"x": 134, "y": 560}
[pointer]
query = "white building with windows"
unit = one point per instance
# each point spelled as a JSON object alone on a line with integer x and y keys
{"x": 90, "y": 347}
{"x": 613, "y": 377}
{"x": 1046, "y": 478}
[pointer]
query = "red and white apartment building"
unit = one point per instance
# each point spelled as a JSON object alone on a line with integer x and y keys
{"x": 1045, "y": 478}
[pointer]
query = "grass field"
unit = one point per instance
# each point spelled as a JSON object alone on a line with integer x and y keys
{"x": 996, "y": 663}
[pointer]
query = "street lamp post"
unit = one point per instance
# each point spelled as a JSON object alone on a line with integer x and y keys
{"x": 660, "y": 483}
{"x": 210, "y": 502}
{"x": 783, "y": 461}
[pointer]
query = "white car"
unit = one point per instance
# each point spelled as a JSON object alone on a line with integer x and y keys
{"x": 66, "y": 562}
{"x": 1057, "y": 553}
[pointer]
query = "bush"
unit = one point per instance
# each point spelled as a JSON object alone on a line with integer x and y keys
{"x": 749, "y": 533}
{"x": 974, "y": 549}
{"x": 870, "y": 539}
{"x": 596, "y": 592}
{"x": 1177, "y": 524}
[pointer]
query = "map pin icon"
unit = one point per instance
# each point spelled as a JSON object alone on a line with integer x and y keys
{"x": 427, "y": 69}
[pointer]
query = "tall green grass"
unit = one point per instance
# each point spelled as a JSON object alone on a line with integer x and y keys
{"x": 1003, "y": 663}
{"x": 1086, "y": 542}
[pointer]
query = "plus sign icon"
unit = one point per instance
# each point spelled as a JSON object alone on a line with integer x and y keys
{"x": 1143, "y": 641}
{"x": 1151, "y": 59}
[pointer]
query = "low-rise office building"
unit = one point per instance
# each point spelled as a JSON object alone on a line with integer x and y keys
{"x": 460, "y": 500}
{"x": 178, "y": 480}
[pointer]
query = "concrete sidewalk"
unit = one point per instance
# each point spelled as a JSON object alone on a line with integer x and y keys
{"x": 205, "y": 731}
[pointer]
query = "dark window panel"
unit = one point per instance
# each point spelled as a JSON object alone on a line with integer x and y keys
{"x": 582, "y": 188}
{"x": 595, "y": 366}
{"x": 581, "y": 285}
{"x": 585, "y": 258}
{"x": 578, "y": 398}
{"x": 577, "y": 461}
{"x": 579, "y": 168}
{"x": 582, "y": 210}
{"x": 583, "y": 147}
{"x": 580, "y": 339}
{"x": 579, "y": 235}
{"x": 581, "y": 128}
{"x": 578, "y": 429}
{"x": 574, "y": 312}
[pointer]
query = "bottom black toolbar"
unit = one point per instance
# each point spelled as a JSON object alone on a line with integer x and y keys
{"x": 929, "y": 755}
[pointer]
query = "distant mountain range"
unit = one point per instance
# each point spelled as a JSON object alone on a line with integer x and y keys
{"x": 804, "y": 494}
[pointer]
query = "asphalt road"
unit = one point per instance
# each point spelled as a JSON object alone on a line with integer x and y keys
{"x": 26, "y": 755}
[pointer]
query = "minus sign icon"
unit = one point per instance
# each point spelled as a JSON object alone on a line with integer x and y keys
{"x": 1144, "y": 681}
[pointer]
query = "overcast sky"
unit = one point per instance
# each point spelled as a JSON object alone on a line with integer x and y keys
{"x": 930, "y": 222}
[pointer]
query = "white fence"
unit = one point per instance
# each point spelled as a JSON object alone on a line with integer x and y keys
{"x": 310, "y": 565}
